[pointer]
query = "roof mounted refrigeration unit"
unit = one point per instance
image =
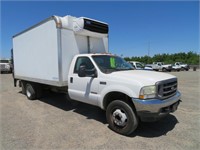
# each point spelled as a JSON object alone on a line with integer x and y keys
{"x": 92, "y": 27}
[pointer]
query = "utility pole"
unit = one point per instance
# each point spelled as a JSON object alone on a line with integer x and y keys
{"x": 148, "y": 51}
{"x": 149, "y": 48}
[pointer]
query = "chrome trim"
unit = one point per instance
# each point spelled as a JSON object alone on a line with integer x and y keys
{"x": 170, "y": 85}
{"x": 42, "y": 81}
{"x": 161, "y": 84}
{"x": 172, "y": 90}
{"x": 154, "y": 105}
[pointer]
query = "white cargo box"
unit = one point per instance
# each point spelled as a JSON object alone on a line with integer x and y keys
{"x": 43, "y": 53}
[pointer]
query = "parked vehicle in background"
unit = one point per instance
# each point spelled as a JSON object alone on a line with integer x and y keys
{"x": 176, "y": 68}
{"x": 139, "y": 66}
{"x": 160, "y": 66}
{"x": 182, "y": 66}
{"x": 77, "y": 63}
{"x": 5, "y": 65}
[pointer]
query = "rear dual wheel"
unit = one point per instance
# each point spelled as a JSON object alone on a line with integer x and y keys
{"x": 31, "y": 90}
{"x": 121, "y": 117}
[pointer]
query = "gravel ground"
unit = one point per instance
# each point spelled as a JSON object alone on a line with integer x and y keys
{"x": 54, "y": 123}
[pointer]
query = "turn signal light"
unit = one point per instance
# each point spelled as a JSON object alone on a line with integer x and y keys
{"x": 141, "y": 97}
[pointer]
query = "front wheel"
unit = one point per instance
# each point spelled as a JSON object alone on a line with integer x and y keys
{"x": 121, "y": 117}
{"x": 164, "y": 69}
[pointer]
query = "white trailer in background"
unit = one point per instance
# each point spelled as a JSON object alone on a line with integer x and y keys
{"x": 69, "y": 54}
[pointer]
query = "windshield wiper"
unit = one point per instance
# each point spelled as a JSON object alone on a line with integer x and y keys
{"x": 123, "y": 69}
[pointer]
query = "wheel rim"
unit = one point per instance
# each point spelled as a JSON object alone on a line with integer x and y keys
{"x": 119, "y": 118}
{"x": 28, "y": 93}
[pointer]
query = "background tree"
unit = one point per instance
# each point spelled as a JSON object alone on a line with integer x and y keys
{"x": 191, "y": 58}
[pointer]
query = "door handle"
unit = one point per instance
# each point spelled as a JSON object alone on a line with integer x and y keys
{"x": 71, "y": 79}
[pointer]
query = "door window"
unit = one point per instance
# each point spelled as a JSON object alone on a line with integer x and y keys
{"x": 85, "y": 61}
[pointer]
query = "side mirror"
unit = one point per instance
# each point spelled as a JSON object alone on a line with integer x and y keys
{"x": 94, "y": 73}
{"x": 82, "y": 71}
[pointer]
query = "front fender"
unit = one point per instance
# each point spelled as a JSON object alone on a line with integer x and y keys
{"x": 115, "y": 88}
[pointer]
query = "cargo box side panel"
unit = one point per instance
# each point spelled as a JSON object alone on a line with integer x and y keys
{"x": 70, "y": 47}
{"x": 36, "y": 53}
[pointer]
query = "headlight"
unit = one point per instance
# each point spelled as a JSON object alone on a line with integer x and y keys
{"x": 148, "y": 92}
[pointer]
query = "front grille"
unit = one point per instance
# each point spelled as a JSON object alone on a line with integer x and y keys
{"x": 167, "y": 88}
{"x": 2, "y": 66}
{"x": 169, "y": 67}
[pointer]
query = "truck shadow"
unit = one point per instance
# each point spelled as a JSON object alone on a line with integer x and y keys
{"x": 60, "y": 101}
{"x": 148, "y": 130}
{"x": 156, "y": 129}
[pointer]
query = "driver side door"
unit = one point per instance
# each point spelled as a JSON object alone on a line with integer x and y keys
{"x": 84, "y": 89}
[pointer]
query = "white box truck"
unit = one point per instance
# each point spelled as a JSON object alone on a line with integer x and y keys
{"x": 70, "y": 54}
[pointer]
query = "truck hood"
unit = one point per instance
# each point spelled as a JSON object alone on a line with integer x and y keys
{"x": 184, "y": 65}
{"x": 142, "y": 77}
{"x": 166, "y": 65}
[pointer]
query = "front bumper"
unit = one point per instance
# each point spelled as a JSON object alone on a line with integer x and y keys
{"x": 154, "y": 109}
{"x": 4, "y": 69}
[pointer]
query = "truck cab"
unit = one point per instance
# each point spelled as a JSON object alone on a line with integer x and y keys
{"x": 139, "y": 66}
{"x": 160, "y": 66}
{"x": 112, "y": 84}
{"x": 5, "y": 65}
{"x": 182, "y": 66}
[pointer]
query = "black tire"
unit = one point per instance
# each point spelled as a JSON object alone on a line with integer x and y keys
{"x": 164, "y": 69}
{"x": 131, "y": 121}
{"x": 23, "y": 85}
{"x": 33, "y": 90}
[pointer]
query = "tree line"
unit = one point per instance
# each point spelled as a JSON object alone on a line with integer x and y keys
{"x": 191, "y": 58}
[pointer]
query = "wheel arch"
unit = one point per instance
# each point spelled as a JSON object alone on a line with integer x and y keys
{"x": 116, "y": 95}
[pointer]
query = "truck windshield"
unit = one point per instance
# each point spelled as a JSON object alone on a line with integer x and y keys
{"x": 109, "y": 63}
{"x": 139, "y": 65}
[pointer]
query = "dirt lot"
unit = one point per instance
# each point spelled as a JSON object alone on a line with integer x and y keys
{"x": 53, "y": 123}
